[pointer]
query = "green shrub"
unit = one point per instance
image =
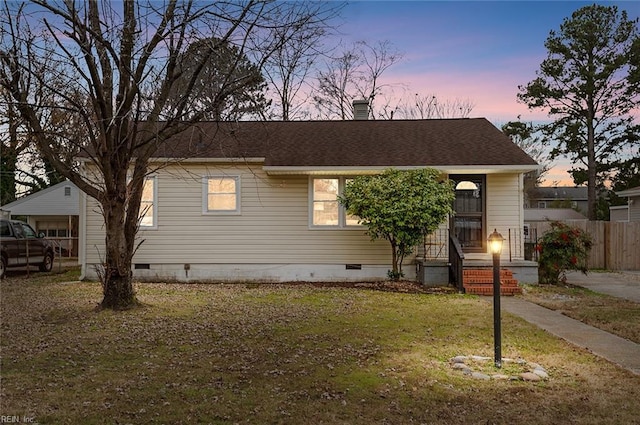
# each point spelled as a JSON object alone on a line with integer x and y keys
{"x": 562, "y": 248}
{"x": 400, "y": 206}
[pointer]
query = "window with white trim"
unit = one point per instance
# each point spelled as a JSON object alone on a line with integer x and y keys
{"x": 221, "y": 195}
{"x": 325, "y": 210}
{"x": 148, "y": 204}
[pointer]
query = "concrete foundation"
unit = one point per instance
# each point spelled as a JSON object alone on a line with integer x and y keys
{"x": 436, "y": 273}
{"x": 259, "y": 272}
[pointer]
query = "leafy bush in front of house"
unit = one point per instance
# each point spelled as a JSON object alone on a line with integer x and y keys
{"x": 400, "y": 206}
{"x": 562, "y": 248}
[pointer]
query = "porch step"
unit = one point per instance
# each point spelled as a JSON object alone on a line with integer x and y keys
{"x": 480, "y": 282}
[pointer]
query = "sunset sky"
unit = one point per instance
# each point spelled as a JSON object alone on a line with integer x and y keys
{"x": 468, "y": 50}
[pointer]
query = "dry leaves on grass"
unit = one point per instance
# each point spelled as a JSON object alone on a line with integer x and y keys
{"x": 309, "y": 353}
{"x": 615, "y": 315}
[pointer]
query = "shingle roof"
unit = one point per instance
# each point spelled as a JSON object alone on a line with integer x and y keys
{"x": 442, "y": 142}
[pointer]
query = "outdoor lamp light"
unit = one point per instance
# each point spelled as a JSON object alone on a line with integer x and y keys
{"x": 495, "y": 246}
{"x": 495, "y": 242}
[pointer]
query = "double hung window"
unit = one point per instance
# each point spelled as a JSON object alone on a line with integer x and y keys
{"x": 221, "y": 194}
{"x": 326, "y": 211}
{"x": 148, "y": 204}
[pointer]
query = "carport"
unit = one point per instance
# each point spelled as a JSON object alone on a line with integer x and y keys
{"x": 54, "y": 211}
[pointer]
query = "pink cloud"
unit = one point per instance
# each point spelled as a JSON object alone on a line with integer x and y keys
{"x": 493, "y": 93}
{"x": 558, "y": 176}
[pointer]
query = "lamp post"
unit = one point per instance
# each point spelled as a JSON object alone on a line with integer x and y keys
{"x": 495, "y": 246}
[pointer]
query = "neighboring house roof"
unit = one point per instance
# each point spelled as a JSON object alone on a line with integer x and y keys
{"x": 50, "y": 201}
{"x": 443, "y": 143}
{"x": 551, "y": 214}
{"x": 559, "y": 193}
{"x": 634, "y": 191}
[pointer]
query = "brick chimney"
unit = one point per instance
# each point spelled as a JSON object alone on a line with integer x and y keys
{"x": 361, "y": 109}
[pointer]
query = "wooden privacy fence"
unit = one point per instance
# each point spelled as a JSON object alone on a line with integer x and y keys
{"x": 616, "y": 245}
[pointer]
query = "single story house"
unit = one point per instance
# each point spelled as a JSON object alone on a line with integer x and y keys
{"x": 631, "y": 211}
{"x": 559, "y": 197}
{"x": 53, "y": 211}
{"x": 236, "y": 201}
{"x": 537, "y": 215}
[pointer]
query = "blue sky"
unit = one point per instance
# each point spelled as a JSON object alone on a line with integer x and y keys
{"x": 469, "y": 50}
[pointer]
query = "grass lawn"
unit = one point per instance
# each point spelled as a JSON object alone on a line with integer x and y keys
{"x": 617, "y": 316}
{"x": 284, "y": 354}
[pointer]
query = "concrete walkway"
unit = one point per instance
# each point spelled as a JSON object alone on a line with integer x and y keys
{"x": 617, "y": 284}
{"x": 617, "y": 350}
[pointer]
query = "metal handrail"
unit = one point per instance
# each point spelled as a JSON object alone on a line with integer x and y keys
{"x": 456, "y": 263}
{"x": 435, "y": 246}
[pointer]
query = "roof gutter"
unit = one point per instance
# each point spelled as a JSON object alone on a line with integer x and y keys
{"x": 168, "y": 160}
{"x": 364, "y": 170}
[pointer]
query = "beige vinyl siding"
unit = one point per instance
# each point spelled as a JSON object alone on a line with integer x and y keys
{"x": 273, "y": 226}
{"x": 505, "y": 209}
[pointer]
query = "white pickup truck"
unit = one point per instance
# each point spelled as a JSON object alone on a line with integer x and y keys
{"x": 20, "y": 246}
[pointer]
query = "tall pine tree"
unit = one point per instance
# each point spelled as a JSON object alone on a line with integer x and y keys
{"x": 590, "y": 83}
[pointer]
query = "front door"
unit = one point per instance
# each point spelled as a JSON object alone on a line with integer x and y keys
{"x": 469, "y": 222}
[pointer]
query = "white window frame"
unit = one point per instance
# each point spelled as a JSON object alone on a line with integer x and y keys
{"x": 342, "y": 213}
{"x": 205, "y": 194}
{"x": 154, "y": 206}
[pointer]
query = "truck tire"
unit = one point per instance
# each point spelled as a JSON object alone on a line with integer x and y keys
{"x": 3, "y": 266}
{"x": 47, "y": 263}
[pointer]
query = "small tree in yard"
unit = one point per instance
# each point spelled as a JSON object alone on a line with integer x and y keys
{"x": 562, "y": 248}
{"x": 401, "y": 207}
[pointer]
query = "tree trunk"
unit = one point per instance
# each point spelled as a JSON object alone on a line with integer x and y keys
{"x": 394, "y": 260}
{"x": 398, "y": 253}
{"x": 117, "y": 280}
{"x": 8, "y": 160}
{"x": 118, "y": 292}
{"x": 591, "y": 167}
